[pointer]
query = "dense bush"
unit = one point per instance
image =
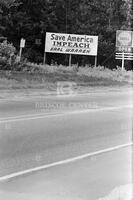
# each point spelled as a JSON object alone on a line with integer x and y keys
{"x": 7, "y": 55}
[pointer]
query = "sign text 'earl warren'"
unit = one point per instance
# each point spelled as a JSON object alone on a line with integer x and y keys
{"x": 71, "y": 44}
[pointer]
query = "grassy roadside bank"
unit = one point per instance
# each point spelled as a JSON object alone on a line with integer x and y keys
{"x": 48, "y": 77}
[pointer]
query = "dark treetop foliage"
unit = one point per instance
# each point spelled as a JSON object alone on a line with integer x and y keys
{"x": 31, "y": 19}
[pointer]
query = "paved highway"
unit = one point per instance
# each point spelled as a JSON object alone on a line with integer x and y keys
{"x": 93, "y": 178}
{"x": 39, "y": 131}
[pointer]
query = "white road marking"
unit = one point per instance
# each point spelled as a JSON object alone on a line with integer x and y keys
{"x": 62, "y": 162}
{"x": 29, "y": 116}
{"x": 43, "y": 115}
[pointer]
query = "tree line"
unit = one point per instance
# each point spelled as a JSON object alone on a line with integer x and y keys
{"x": 31, "y": 19}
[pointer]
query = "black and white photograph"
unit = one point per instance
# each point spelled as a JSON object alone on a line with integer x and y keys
{"x": 66, "y": 100}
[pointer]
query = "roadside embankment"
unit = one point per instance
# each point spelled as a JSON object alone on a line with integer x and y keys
{"x": 45, "y": 79}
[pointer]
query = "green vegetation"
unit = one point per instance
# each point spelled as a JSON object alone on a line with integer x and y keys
{"x": 46, "y": 77}
{"x": 7, "y": 55}
{"x": 31, "y": 19}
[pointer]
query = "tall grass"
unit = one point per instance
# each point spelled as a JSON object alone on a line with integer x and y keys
{"x": 101, "y": 72}
{"x": 40, "y": 76}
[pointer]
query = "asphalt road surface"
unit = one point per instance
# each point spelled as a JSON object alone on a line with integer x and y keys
{"x": 39, "y": 131}
{"x": 93, "y": 178}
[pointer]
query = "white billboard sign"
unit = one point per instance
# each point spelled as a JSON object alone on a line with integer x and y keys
{"x": 71, "y": 44}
